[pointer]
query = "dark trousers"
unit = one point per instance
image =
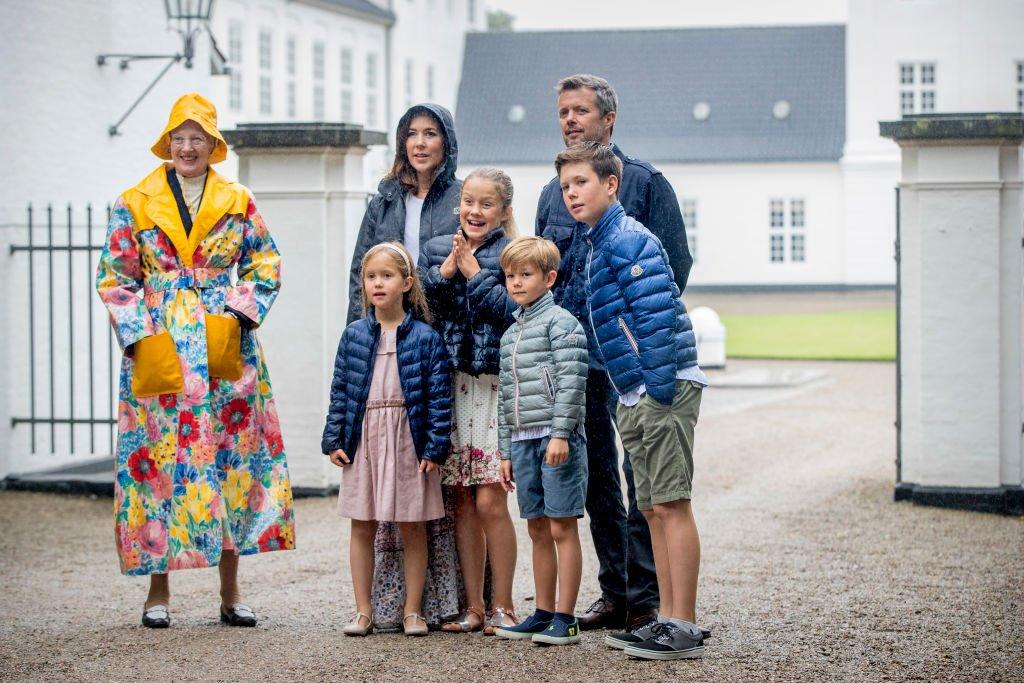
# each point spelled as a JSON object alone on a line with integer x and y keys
{"x": 622, "y": 541}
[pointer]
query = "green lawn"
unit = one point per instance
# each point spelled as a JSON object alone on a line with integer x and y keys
{"x": 846, "y": 335}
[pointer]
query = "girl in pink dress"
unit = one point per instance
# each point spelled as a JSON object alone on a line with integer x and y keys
{"x": 389, "y": 427}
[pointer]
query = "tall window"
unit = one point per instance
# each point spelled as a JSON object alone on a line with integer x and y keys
{"x": 318, "y": 81}
{"x": 786, "y": 221}
{"x": 1020, "y": 86}
{"x": 371, "y": 89}
{"x": 917, "y": 88}
{"x": 471, "y": 10}
{"x": 430, "y": 81}
{"x": 346, "y": 84}
{"x": 689, "y": 207}
{"x": 266, "y": 86}
{"x": 408, "y": 83}
{"x": 235, "y": 57}
{"x": 291, "y": 49}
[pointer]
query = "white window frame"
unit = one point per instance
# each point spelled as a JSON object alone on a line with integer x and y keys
{"x": 1020, "y": 85}
{"x": 266, "y": 42}
{"x": 345, "y": 76}
{"x": 917, "y": 87}
{"x": 235, "y": 58}
{"x": 372, "y": 84}
{"x": 319, "y": 113}
{"x": 430, "y": 82}
{"x": 787, "y": 227}
{"x": 688, "y": 206}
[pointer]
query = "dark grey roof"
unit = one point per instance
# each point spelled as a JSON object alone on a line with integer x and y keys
{"x": 659, "y": 76}
{"x": 363, "y": 7}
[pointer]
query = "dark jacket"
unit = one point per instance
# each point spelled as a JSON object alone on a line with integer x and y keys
{"x": 642, "y": 328}
{"x": 384, "y": 220}
{"x": 470, "y": 315}
{"x": 645, "y": 195}
{"x": 423, "y": 374}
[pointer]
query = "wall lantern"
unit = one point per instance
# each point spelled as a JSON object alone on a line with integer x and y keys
{"x": 189, "y": 18}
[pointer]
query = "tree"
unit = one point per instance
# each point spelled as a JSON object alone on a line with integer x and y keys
{"x": 500, "y": 21}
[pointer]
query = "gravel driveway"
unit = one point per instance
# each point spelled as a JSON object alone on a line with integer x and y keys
{"x": 810, "y": 572}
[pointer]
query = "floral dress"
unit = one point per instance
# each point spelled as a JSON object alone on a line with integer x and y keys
{"x": 200, "y": 465}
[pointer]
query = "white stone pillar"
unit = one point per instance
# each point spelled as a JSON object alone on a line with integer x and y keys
{"x": 307, "y": 180}
{"x": 961, "y": 225}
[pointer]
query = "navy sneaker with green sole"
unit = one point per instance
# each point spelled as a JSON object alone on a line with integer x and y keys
{"x": 524, "y": 630}
{"x": 559, "y": 633}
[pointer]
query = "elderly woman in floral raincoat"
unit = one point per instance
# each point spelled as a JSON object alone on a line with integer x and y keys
{"x": 201, "y": 470}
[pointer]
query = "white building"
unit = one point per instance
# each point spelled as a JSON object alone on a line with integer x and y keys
{"x": 768, "y": 134}
{"x": 291, "y": 60}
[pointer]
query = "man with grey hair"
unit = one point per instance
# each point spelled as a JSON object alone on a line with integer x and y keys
{"x": 587, "y": 108}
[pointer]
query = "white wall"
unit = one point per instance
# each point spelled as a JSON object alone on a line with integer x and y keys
{"x": 733, "y": 217}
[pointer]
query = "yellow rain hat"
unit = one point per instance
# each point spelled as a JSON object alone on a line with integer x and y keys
{"x": 192, "y": 107}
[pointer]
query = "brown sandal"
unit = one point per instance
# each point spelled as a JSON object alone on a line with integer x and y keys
{"x": 497, "y": 620}
{"x": 461, "y": 624}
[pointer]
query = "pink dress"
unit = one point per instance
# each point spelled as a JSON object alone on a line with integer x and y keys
{"x": 383, "y": 482}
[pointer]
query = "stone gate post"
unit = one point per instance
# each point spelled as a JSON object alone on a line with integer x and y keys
{"x": 961, "y": 223}
{"x": 307, "y": 179}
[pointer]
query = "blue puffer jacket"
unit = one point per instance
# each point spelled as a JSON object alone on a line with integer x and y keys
{"x": 470, "y": 315}
{"x": 641, "y": 325}
{"x": 424, "y": 376}
{"x": 646, "y": 195}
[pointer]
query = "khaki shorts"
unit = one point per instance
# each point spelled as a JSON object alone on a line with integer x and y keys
{"x": 659, "y": 440}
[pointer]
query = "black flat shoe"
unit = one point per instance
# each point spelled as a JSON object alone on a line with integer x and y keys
{"x": 156, "y": 617}
{"x": 238, "y": 615}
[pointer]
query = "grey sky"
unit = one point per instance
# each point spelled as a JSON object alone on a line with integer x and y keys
{"x": 533, "y": 15}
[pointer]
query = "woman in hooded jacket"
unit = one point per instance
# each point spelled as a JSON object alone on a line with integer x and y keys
{"x": 418, "y": 199}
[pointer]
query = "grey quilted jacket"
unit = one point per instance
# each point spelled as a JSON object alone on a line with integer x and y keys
{"x": 543, "y": 380}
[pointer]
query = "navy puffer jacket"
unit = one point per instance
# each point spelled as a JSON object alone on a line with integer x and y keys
{"x": 424, "y": 376}
{"x": 641, "y": 324}
{"x": 384, "y": 220}
{"x": 471, "y": 315}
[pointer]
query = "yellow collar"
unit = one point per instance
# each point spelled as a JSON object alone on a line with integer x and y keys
{"x": 220, "y": 197}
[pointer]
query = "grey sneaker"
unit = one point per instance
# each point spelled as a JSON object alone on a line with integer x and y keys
{"x": 671, "y": 642}
{"x": 620, "y": 641}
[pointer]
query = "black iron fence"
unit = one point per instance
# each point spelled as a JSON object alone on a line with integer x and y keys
{"x": 67, "y": 379}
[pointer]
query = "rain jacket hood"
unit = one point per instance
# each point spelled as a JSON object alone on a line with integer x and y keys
{"x": 192, "y": 107}
{"x": 446, "y": 172}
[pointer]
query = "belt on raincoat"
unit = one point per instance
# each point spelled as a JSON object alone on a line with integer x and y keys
{"x": 187, "y": 278}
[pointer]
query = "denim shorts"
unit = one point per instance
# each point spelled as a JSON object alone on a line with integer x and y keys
{"x": 544, "y": 490}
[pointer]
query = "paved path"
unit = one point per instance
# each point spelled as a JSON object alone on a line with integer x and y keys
{"x": 810, "y": 572}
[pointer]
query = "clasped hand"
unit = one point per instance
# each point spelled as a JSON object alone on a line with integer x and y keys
{"x": 460, "y": 259}
{"x": 339, "y": 458}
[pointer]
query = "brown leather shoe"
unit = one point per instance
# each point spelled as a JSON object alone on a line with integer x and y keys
{"x": 602, "y": 614}
{"x": 635, "y": 618}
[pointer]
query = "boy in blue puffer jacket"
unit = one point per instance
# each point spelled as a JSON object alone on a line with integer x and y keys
{"x": 647, "y": 347}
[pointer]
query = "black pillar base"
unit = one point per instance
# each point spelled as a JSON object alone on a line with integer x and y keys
{"x": 1002, "y": 500}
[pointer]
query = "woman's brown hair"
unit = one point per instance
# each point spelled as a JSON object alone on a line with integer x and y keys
{"x": 401, "y": 169}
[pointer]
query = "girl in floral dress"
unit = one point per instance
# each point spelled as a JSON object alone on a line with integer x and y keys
{"x": 389, "y": 427}
{"x": 465, "y": 288}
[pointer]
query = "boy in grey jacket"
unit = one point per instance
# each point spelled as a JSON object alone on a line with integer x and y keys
{"x": 541, "y": 406}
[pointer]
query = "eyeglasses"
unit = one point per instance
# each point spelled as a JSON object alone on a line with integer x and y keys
{"x": 196, "y": 141}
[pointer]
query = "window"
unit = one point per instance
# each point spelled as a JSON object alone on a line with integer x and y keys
{"x": 408, "y": 83}
{"x": 291, "y": 55}
{"x": 471, "y": 10}
{"x": 318, "y": 81}
{"x": 430, "y": 81}
{"x": 292, "y": 109}
{"x": 346, "y": 105}
{"x": 1020, "y": 86}
{"x": 371, "y": 109}
{"x": 689, "y": 208}
{"x": 346, "y": 84}
{"x": 917, "y": 88}
{"x": 785, "y": 227}
{"x": 235, "y": 58}
{"x": 266, "y": 85}
{"x": 371, "y": 71}
{"x": 371, "y": 90}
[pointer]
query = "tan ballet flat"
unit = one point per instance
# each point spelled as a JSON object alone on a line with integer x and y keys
{"x": 414, "y": 628}
{"x": 356, "y": 628}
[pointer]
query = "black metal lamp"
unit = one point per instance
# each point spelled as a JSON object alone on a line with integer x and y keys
{"x": 189, "y": 17}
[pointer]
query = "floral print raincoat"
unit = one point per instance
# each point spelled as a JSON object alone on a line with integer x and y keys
{"x": 202, "y": 467}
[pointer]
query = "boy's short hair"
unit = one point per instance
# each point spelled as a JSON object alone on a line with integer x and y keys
{"x": 599, "y": 157}
{"x": 530, "y": 249}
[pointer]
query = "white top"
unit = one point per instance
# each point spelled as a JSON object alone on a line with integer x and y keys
{"x": 413, "y": 208}
{"x": 692, "y": 373}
